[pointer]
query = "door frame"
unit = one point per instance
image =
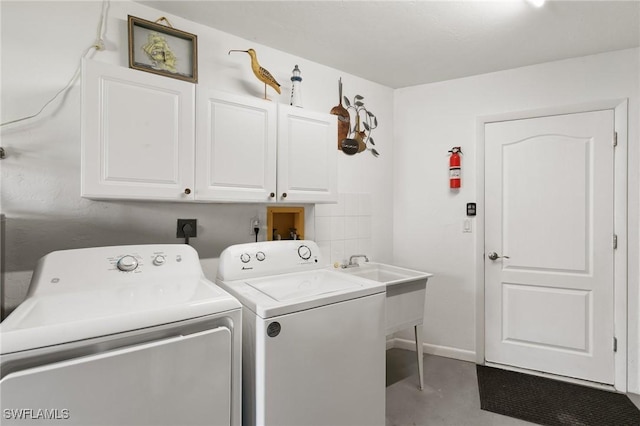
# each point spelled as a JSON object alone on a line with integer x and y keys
{"x": 620, "y": 107}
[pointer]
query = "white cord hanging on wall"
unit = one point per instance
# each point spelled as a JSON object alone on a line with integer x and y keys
{"x": 97, "y": 45}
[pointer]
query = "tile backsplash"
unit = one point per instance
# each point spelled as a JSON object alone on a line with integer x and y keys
{"x": 344, "y": 229}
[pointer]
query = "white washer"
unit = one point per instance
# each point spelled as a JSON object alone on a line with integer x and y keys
{"x": 126, "y": 335}
{"x": 313, "y": 339}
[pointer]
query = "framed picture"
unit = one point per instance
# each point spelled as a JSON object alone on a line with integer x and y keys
{"x": 162, "y": 49}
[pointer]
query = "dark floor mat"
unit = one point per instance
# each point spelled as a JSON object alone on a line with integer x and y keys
{"x": 552, "y": 402}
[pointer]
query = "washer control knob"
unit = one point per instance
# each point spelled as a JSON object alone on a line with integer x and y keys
{"x": 159, "y": 260}
{"x": 260, "y": 256}
{"x": 245, "y": 258}
{"x": 127, "y": 263}
{"x": 304, "y": 252}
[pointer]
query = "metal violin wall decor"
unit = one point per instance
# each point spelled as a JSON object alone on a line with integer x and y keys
{"x": 359, "y": 140}
{"x": 344, "y": 122}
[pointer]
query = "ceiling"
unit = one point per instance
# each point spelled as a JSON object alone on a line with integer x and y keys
{"x": 406, "y": 43}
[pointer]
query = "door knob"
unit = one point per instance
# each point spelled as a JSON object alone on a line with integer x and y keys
{"x": 494, "y": 256}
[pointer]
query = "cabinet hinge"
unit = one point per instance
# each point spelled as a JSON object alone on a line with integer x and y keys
{"x": 615, "y": 344}
{"x": 615, "y": 242}
{"x": 615, "y": 139}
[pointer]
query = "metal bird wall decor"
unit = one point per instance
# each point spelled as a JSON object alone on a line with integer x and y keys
{"x": 262, "y": 74}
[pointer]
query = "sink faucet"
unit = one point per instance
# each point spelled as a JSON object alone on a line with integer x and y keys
{"x": 352, "y": 263}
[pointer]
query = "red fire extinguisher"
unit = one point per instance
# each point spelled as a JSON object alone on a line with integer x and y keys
{"x": 454, "y": 167}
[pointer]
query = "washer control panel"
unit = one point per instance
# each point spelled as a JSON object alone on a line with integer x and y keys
{"x": 268, "y": 258}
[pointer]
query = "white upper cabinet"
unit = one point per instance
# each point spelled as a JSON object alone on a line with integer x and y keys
{"x": 142, "y": 140}
{"x": 137, "y": 134}
{"x": 307, "y": 156}
{"x": 236, "y": 149}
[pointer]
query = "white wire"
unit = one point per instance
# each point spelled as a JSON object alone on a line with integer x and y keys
{"x": 97, "y": 45}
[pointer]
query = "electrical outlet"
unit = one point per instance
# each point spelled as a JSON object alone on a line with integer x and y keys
{"x": 255, "y": 223}
{"x": 182, "y": 223}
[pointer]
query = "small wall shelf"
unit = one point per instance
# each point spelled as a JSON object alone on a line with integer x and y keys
{"x": 284, "y": 222}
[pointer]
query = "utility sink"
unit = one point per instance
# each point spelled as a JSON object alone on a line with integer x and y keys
{"x": 406, "y": 292}
{"x": 387, "y": 274}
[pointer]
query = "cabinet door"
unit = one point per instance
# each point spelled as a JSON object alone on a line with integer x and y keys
{"x": 236, "y": 148}
{"x": 137, "y": 134}
{"x": 307, "y": 156}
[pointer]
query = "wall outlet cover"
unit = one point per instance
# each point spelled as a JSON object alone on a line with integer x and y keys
{"x": 181, "y": 225}
{"x": 255, "y": 223}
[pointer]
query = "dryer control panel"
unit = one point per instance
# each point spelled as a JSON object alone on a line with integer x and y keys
{"x": 63, "y": 270}
{"x": 243, "y": 261}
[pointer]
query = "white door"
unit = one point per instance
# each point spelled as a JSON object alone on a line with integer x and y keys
{"x": 137, "y": 134}
{"x": 236, "y": 148}
{"x": 307, "y": 156}
{"x": 549, "y": 193}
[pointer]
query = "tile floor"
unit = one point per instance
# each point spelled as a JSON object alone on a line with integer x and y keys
{"x": 450, "y": 397}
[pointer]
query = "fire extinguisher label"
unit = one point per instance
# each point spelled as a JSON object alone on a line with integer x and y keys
{"x": 454, "y": 173}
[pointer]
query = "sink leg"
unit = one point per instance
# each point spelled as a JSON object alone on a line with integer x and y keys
{"x": 418, "y": 332}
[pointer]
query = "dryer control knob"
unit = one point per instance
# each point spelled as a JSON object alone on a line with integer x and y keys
{"x": 159, "y": 260}
{"x": 260, "y": 256}
{"x": 245, "y": 258}
{"x": 304, "y": 252}
{"x": 127, "y": 263}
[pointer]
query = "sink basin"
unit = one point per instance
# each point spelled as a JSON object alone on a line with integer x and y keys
{"x": 406, "y": 291}
{"x": 387, "y": 274}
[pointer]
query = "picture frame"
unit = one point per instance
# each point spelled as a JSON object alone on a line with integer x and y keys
{"x": 162, "y": 49}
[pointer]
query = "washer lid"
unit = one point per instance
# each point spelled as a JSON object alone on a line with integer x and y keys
{"x": 301, "y": 286}
{"x": 282, "y": 294}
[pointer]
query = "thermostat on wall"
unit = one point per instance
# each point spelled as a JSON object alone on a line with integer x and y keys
{"x": 471, "y": 209}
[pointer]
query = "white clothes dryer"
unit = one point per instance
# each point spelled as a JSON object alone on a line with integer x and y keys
{"x": 124, "y": 335}
{"x": 313, "y": 339}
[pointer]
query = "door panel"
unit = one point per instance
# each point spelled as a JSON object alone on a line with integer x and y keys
{"x": 184, "y": 380}
{"x": 325, "y": 367}
{"x": 523, "y": 323}
{"x": 561, "y": 168}
{"x": 549, "y": 212}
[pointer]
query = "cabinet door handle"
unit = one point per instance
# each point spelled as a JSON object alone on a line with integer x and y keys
{"x": 187, "y": 191}
{"x": 284, "y": 195}
{"x": 273, "y": 194}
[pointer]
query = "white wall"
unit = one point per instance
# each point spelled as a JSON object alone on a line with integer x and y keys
{"x": 428, "y": 217}
{"x": 41, "y": 47}
{"x": 344, "y": 229}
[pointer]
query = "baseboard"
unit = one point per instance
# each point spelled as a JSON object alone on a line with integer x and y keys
{"x": 390, "y": 343}
{"x": 444, "y": 351}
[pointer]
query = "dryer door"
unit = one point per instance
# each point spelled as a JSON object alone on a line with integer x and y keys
{"x": 183, "y": 380}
